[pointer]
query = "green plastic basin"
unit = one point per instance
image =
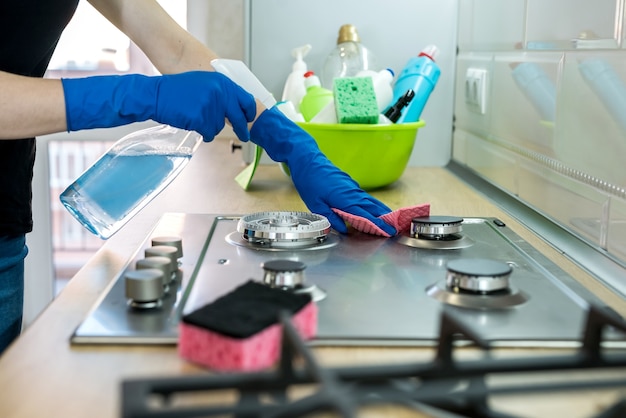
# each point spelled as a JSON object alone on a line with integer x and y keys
{"x": 373, "y": 155}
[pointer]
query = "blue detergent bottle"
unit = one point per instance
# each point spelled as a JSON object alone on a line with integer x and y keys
{"x": 420, "y": 74}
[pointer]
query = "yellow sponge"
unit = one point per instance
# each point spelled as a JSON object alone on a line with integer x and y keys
{"x": 355, "y": 100}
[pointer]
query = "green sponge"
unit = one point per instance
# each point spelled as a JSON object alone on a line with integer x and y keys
{"x": 355, "y": 100}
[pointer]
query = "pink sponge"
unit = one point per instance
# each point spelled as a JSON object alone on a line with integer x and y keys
{"x": 240, "y": 330}
{"x": 399, "y": 219}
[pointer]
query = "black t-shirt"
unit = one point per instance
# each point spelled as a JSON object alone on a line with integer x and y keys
{"x": 29, "y": 32}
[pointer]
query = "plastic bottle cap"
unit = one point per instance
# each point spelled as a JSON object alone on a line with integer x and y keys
{"x": 348, "y": 33}
{"x": 310, "y": 79}
{"x": 431, "y": 51}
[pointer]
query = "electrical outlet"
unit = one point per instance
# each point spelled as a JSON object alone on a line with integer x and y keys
{"x": 476, "y": 89}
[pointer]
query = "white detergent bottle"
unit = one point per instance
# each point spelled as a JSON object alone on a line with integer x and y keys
{"x": 295, "y": 89}
{"x": 383, "y": 86}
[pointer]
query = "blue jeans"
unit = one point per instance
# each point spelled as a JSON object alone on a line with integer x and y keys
{"x": 13, "y": 250}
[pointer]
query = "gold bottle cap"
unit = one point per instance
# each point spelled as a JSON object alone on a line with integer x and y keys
{"x": 348, "y": 33}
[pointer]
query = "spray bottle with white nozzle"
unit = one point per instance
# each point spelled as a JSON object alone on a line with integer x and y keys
{"x": 295, "y": 89}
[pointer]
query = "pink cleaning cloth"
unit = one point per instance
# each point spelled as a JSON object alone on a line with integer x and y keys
{"x": 399, "y": 219}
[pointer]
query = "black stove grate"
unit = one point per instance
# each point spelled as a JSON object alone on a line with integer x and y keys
{"x": 444, "y": 385}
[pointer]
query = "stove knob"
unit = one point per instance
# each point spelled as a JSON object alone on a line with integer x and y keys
{"x": 144, "y": 288}
{"x": 173, "y": 241}
{"x": 160, "y": 263}
{"x": 283, "y": 273}
{"x": 164, "y": 251}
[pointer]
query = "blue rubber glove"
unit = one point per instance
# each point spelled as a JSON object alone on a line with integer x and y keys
{"x": 319, "y": 182}
{"x": 198, "y": 101}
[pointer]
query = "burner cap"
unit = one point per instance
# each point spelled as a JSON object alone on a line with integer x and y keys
{"x": 436, "y": 227}
{"x": 478, "y": 275}
{"x": 477, "y": 284}
{"x": 284, "y": 274}
{"x": 289, "y": 275}
{"x": 284, "y": 266}
{"x": 284, "y": 228}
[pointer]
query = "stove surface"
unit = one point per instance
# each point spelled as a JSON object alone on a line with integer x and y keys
{"x": 376, "y": 291}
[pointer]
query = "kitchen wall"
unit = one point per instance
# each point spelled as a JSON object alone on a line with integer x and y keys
{"x": 540, "y": 109}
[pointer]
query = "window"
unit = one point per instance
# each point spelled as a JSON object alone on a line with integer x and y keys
{"x": 91, "y": 45}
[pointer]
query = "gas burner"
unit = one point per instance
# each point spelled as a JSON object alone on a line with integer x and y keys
{"x": 289, "y": 275}
{"x": 283, "y": 231}
{"x": 437, "y": 233}
{"x": 478, "y": 284}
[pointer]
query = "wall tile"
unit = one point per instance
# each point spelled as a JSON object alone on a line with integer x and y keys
{"x": 616, "y": 228}
{"x": 557, "y": 22}
{"x": 592, "y": 115}
{"x": 466, "y": 116}
{"x": 524, "y": 99}
{"x": 491, "y": 24}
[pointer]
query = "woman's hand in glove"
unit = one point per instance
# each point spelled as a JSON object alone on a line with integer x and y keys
{"x": 198, "y": 101}
{"x": 321, "y": 185}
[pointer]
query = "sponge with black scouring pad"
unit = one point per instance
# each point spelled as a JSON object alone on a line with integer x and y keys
{"x": 355, "y": 100}
{"x": 240, "y": 331}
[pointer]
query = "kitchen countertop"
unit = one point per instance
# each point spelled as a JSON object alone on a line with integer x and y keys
{"x": 41, "y": 374}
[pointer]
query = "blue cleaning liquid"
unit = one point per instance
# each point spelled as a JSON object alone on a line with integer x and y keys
{"x": 116, "y": 187}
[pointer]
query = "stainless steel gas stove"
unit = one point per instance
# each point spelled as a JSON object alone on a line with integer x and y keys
{"x": 369, "y": 290}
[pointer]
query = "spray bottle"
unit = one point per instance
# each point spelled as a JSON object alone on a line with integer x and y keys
{"x": 420, "y": 74}
{"x": 295, "y": 89}
{"x": 128, "y": 176}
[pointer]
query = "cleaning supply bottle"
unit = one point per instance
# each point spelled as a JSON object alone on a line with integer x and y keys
{"x": 382, "y": 81}
{"x": 347, "y": 58}
{"x": 316, "y": 97}
{"x": 295, "y": 89}
{"x": 420, "y": 74}
{"x": 128, "y": 176}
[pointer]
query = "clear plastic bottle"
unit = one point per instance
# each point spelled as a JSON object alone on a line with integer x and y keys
{"x": 420, "y": 74}
{"x": 128, "y": 176}
{"x": 316, "y": 97}
{"x": 348, "y": 58}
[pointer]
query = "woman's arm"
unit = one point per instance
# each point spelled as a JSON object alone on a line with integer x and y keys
{"x": 170, "y": 48}
{"x": 30, "y": 106}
